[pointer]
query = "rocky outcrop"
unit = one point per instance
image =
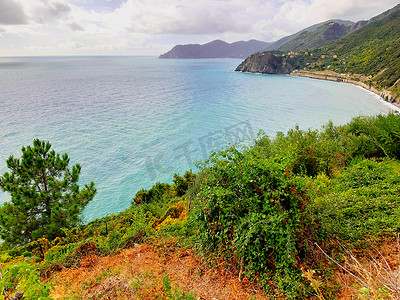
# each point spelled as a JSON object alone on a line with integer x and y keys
{"x": 269, "y": 63}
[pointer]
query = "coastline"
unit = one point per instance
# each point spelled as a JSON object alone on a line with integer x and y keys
{"x": 385, "y": 95}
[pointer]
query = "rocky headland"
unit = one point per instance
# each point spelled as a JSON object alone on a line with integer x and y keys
{"x": 290, "y": 64}
{"x": 268, "y": 63}
{"x": 368, "y": 56}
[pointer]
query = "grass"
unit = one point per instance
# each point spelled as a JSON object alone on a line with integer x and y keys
{"x": 370, "y": 277}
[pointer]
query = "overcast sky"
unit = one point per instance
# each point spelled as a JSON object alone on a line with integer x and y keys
{"x": 152, "y": 27}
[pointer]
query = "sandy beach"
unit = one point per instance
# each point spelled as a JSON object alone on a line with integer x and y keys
{"x": 349, "y": 78}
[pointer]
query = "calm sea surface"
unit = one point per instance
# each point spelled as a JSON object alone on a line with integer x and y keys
{"x": 133, "y": 121}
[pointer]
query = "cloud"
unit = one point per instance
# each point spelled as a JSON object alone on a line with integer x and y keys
{"x": 288, "y": 17}
{"x": 301, "y": 13}
{"x": 181, "y": 17}
{"x": 76, "y": 27}
{"x": 46, "y": 11}
{"x": 12, "y": 13}
{"x": 147, "y": 25}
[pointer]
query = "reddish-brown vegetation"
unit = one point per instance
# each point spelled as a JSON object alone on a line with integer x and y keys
{"x": 138, "y": 273}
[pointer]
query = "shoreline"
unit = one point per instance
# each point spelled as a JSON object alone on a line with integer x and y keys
{"x": 385, "y": 95}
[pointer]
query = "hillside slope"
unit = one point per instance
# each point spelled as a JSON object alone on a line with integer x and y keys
{"x": 374, "y": 50}
{"x": 370, "y": 55}
{"x": 313, "y": 33}
{"x": 323, "y": 35}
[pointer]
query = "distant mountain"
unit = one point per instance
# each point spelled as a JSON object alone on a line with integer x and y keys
{"x": 217, "y": 49}
{"x": 370, "y": 55}
{"x": 289, "y": 43}
{"x": 310, "y": 37}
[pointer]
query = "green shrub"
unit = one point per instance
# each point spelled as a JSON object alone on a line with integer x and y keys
{"x": 327, "y": 150}
{"x": 250, "y": 215}
{"x": 175, "y": 293}
{"x": 377, "y": 136}
{"x": 182, "y": 183}
{"x": 358, "y": 205}
{"x": 260, "y": 208}
{"x": 154, "y": 194}
{"x": 23, "y": 275}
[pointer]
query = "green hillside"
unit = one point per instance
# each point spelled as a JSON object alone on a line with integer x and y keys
{"x": 374, "y": 50}
{"x": 323, "y": 35}
{"x": 288, "y": 43}
{"x": 370, "y": 55}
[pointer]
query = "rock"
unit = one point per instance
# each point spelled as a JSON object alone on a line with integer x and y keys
{"x": 268, "y": 63}
{"x": 18, "y": 295}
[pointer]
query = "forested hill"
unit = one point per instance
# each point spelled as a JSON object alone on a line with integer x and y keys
{"x": 316, "y": 36}
{"x": 372, "y": 51}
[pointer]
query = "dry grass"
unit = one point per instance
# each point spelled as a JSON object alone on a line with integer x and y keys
{"x": 375, "y": 275}
{"x": 138, "y": 273}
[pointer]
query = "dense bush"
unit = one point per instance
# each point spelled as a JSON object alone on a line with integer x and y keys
{"x": 23, "y": 275}
{"x": 330, "y": 149}
{"x": 250, "y": 215}
{"x": 182, "y": 183}
{"x": 358, "y": 205}
{"x": 154, "y": 194}
{"x": 253, "y": 208}
{"x": 377, "y": 136}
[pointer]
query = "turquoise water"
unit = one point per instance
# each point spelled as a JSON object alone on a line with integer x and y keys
{"x": 132, "y": 121}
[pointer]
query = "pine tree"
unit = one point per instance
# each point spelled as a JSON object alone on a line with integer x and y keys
{"x": 45, "y": 196}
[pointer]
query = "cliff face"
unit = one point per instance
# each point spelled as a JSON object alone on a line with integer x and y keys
{"x": 268, "y": 63}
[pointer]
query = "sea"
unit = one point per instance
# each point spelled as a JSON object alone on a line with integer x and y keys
{"x": 134, "y": 121}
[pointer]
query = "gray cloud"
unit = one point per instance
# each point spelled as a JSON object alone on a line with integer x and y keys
{"x": 76, "y": 27}
{"x": 12, "y": 13}
{"x": 58, "y": 9}
{"x": 51, "y": 11}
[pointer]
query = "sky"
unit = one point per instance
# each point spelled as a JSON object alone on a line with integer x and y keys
{"x": 152, "y": 27}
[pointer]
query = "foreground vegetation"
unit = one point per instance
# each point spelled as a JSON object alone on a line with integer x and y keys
{"x": 45, "y": 196}
{"x": 281, "y": 214}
